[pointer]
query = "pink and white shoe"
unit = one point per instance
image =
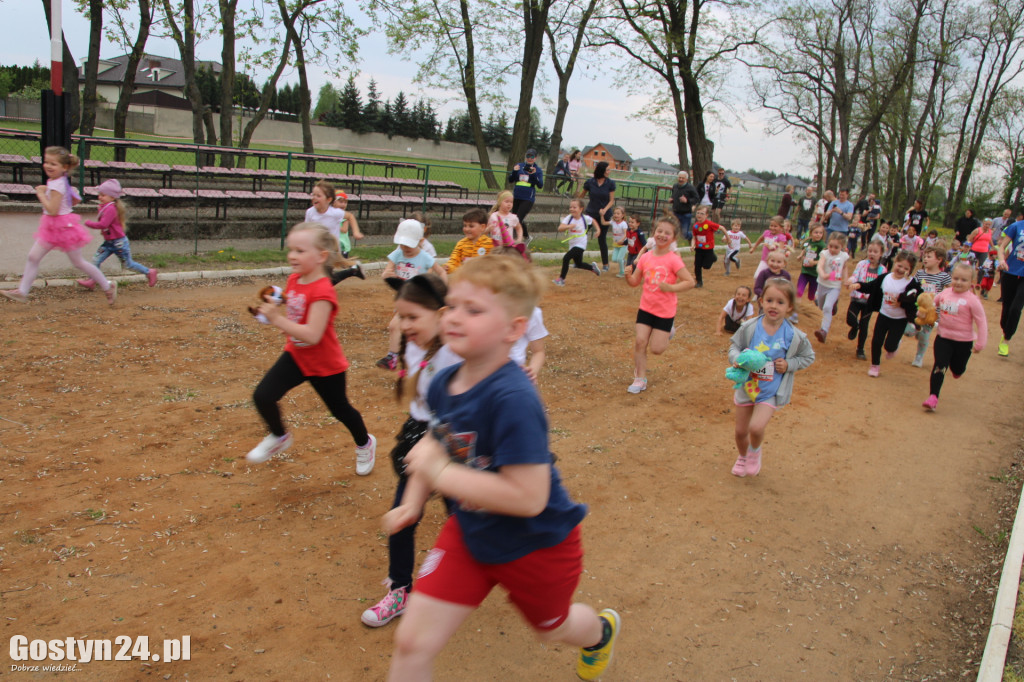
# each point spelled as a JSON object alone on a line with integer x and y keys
{"x": 753, "y": 462}
{"x": 931, "y": 403}
{"x": 740, "y": 467}
{"x": 387, "y": 609}
{"x": 151, "y": 276}
{"x": 87, "y": 283}
{"x": 874, "y": 371}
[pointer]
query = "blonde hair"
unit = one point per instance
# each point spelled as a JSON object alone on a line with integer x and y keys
{"x": 424, "y": 220}
{"x": 505, "y": 194}
{"x": 964, "y": 265}
{"x": 119, "y": 205}
{"x": 776, "y": 220}
{"x": 325, "y": 187}
{"x": 324, "y": 241}
{"x": 64, "y": 157}
{"x": 510, "y": 277}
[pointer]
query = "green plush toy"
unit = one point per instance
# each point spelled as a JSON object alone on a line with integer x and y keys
{"x": 748, "y": 361}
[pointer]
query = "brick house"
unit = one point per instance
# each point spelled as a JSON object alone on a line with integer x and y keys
{"x": 614, "y": 155}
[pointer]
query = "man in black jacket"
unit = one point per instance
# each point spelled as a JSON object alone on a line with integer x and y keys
{"x": 684, "y": 198}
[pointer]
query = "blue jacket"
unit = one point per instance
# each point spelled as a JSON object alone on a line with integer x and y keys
{"x": 526, "y": 184}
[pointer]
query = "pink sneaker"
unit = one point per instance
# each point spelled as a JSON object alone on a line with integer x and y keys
{"x": 890, "y": 354}
{"x": 87, "y": 283}
{"x": 873, "y": 371}
{"x": 753, "y": 462}
{"x": 151, "y": 276}
{"x": 740, "y": 467}
{"x": 931, "y": 403}
{"x": 387, "y": 609}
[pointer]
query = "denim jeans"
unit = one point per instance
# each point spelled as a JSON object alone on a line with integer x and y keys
{"x": 685, "y": 221}
{"x": 123, "y": 250}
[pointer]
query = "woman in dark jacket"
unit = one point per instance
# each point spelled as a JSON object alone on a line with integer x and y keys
{"x": 601, "y": 190}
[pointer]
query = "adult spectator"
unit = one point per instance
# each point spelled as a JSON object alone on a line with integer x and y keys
{"x": 839, "y": 214}
{"x": 601, "y": 190}
{"x": 965, "y": 226}
{"x": 722, "y": 188}
{"x": 805, "y": 211}
{"x": 1000, "y": 223}
{"x": 575, "y": 163}
{"x": 684, "y": 198}
{"x": 1011, "y": 263}
{"x": 527, "y": 178}
{"x": 706, "y": 191}
{"x": 917, "y": 217}
{"x": 981, "y": 243}
{"x": 819, "y": 211}
{"x": 787, "y": 202}
{"x": 562, "y": 173}
{"x": 870, "y": 220}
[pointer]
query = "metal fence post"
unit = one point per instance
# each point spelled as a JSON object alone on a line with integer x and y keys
{"x": 287, "y": 186}
{"x": 426, "y": 186}
{"x": 195, "y": 224}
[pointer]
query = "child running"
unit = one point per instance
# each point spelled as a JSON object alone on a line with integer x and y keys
{"x": 911, "y": 242}
{"x": 934, "y": 279}
{"x": 831, "y": 273}
{"x": 474, "y": 244}
{"x": 858, "y": 315}
{"x": 405, "y": 262}
{"x": 59, "y": 228}
{"x": 514, "y": 524}
{"x": 323, "y": 213}
{"x": 619, "y": 230}
{"x": 312, "y": 352}
{"x": 349, "y": 228}
{"x": 503, "y": 226}
{"x": 776, "y": 264}
{"x": 773, "y": 238}
{"x": 664, "y": 276}
{"x": 788, "y": 351}
{"x": 894, "y": 297}
{"x": 738, "y": 310}
{"x": 813, "y": 246}
{"x": 735, "y": 235}
{"x": 634, "y": 240}
{"x": 703, "y": 244}
{"x": 419, "y": 302}
{"x": 110, "y": 221}
{"x": 960, "y": 314}
{"x": 576, "y": 225}
{"x": 988, "y": 273}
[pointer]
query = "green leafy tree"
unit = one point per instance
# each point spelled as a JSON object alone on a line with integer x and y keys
{"x": 327, "y": 101}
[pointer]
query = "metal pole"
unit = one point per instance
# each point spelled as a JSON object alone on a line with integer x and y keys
{"x": 287, "y": 186}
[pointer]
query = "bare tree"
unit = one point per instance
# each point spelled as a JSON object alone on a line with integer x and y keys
{"x": 186, "y": 35}
{"x": 534, "y": 17}
{"x": 94, "y": 10}
{"x": 136, "y": 46}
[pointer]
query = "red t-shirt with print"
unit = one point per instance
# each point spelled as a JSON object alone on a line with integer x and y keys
{"x": 704, "y": 234}
{"x": 325, "y": 358}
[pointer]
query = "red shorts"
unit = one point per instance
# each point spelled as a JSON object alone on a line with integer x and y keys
{"x": 541, "y": 584}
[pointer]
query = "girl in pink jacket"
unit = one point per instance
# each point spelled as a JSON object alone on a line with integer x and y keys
{"x": 110, "y": 223}
{"x": 960, "y": 312}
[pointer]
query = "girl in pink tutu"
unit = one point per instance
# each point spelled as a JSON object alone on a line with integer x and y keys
{"x": 59, "y": 228}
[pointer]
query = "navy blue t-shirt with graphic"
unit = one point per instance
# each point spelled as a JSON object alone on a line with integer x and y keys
{"x": 498, "y": 422}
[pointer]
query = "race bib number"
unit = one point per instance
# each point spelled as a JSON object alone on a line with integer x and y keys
{"x": 810, "y": 257}
{"x": 892, "y": 300}
{"x": 523, "y": 177}
{"x": 766, "y": 373}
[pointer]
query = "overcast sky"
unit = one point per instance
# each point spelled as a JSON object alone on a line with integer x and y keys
{"x": 597, "y": 113}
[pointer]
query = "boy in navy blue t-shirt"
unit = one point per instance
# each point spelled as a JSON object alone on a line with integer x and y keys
{"x": 487, "y": 450}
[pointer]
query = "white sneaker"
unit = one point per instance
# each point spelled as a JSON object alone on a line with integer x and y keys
{"x": 268, "y": 447}
{"x": 365, "y": 457}
{"x": 637, "y": 386}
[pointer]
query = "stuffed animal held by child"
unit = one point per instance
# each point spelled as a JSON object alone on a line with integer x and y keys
{"x": 747, "y": 362}
{"x": 926, "y": 313}
{"x": 268, "y": 294}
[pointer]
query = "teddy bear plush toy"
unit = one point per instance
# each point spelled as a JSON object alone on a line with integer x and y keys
{"x": 926, "y": 313}
{"x": 748, "y": 361}
{"x": 268, "y": 294}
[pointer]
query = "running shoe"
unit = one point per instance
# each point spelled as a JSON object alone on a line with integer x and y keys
{"x": 594, "y": 661}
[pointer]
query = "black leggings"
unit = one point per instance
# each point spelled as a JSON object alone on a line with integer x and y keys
{"x": 702, "y": 259}
{"x": 858, "y": 316}
{"x": 888, "y": 331}
{"x": 286, "y": 375}
{"x": 1013, "y": 303}
{"x": 522, "y": 207}
{"x": 575, "y": 255}
{"x": 602, "y": 239}
{"x": 951, "y": 355}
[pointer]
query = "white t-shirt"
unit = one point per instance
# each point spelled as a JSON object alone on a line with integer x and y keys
{"x": 535, "y": 329}
{"x": 730, "y": 310}
{"x": 891, "y": 290}
{"x": 331, "y": 219}
{"x": 651, "y": 245}
{"x": 62, "y": 187}
{"x": 735, "y": 239}
{"x": 427, "y": 247}
{"x": 444, "y": 357}
{"x": 578, "y": 231}
{"x": 833, "y": 267}
{"x": 618, "y": 232}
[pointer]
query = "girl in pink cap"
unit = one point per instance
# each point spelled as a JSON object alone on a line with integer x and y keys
{"x": 110, "y": 223}
{"x": 59, "y": 228}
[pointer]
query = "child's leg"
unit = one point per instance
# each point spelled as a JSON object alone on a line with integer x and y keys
{"x": 865, "y": 322}
{"x": 279, "y": 379}
{"x": 801, "y": 284}
{"x": 761, "y": 415}
{"x": 401, "y": 546}
{"x": 943, "y": 351}
{"x": 643, "y": 337}
{"x": 812, "y": 289}
{"x": 743, "y": 416}
{"x": 105, "y": 251}
{"x": 923, "y": 335}
{"x": 877, "y": 338}
{"x": 698, "y": 266}
{"x": 831, "y": 296}
{"x": 331, "y": 390}
{"x": 35, "y": 256}
{"x": 124, "y": 252}
{"x": 566, "y": 259}
{"x": 819, "y": 298}
{"x": 852, "y": 314}
{"x": 94, "y": 273}
{"x": 426, "y": 626}
{"x": 893, "y": 334}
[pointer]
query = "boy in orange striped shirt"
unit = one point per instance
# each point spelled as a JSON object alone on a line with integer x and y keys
{"x": 475, "y": 243}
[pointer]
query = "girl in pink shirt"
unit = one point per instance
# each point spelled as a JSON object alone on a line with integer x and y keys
{"x": 960, "y": 312}
{"x": 110, "y": 222}
{"x": 663, "y": 275}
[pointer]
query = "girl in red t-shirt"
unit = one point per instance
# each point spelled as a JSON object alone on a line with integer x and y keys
{"x": 312, "y": 352}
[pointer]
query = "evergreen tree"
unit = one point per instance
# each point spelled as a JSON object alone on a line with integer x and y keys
{"x": 373, "y": 109}
{"x": 386, "y": 121}
{"x": 351, "y": 106}
{"x": 401, "y": 116}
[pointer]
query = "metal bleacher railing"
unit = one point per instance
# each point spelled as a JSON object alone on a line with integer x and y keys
{"x": 196, "y": 192}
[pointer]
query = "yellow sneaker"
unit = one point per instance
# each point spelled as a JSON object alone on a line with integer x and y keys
{"x": 593, "y": 662}
{"x": 1004, "y": 347}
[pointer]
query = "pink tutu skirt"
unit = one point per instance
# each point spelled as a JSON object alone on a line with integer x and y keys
{"x": 64, "y": 232}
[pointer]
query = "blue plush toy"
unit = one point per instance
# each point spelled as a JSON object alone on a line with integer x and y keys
{"x": 748, "y": 361}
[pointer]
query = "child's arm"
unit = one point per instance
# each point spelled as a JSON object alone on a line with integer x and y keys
{"x": 633, "y": 273}
{"x": 803, "y": 358}
{"x": 819, "y": 267}
{"x": 309, "y": 333}
{"x": 514, "y": 490}
{"x": 356, "y": 232}
{"x": 50, "y": 201}
{"x": 417, "y": 492}
{"x": 759, "y": 283}
{"x": 684, "y": 281}
{"x": 389, "y": 269}
{"x": 537, "y": 357}
{"x": 755, "y": 244}
{"x": 980, "y": 322}
{"x": 562, "y": 227}
{"x": 455, "y": 260}
{"x": 721, "y": 324}
{"x": 105, "y": 219}
{"x": 438, "y": 270}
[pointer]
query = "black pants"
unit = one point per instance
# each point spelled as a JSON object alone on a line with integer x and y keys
{"x": 888, "y": 333}
{"x": 602, "y": 239}
{"x": 402, "y": 545}
{"x": 522, "y": 207}
{"x": 702, "y": 260}
{"x": 286, "y": 375}
{"x": 951, "y": 355}
{"x": 574, "y": 255}
{"x": 1012, "y": 288}
{"x": 858, "y": 316}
